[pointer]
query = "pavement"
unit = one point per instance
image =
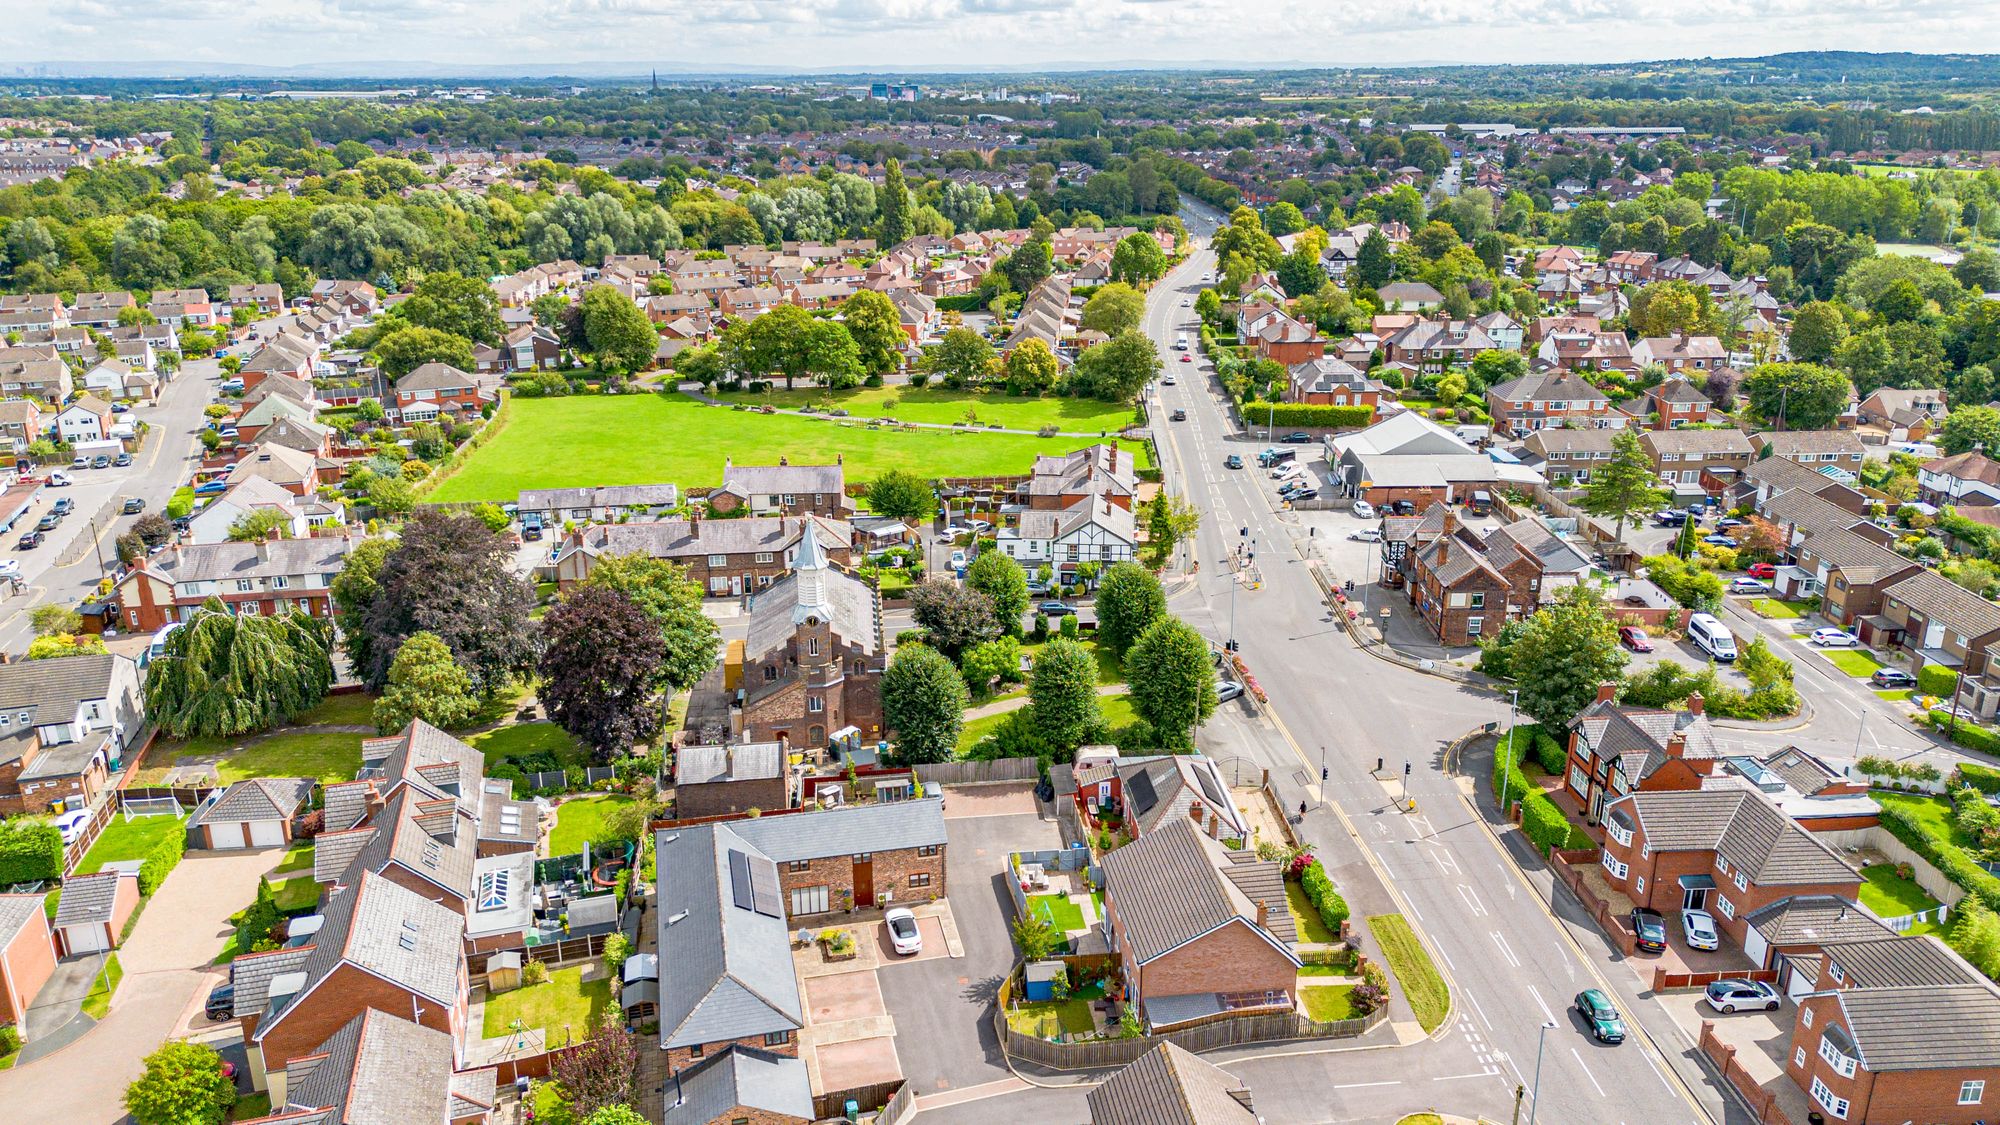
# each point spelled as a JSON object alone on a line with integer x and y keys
{"x": 167, "y": 975}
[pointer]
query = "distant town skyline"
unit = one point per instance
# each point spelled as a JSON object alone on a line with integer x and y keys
{"x": 551, "y": 36}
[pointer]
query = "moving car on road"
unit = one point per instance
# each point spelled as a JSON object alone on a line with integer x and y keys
{"x": 1699, "y": 928}
{"x": 60, "y": 479}
{"x": 1600, "y": 1016}
{"x": 1736, "y": 994}
{"x": 63, "y": 507}
{"x": 132, "y": 504}
{"x": 1180, "y": 416}
{"x": 1650, "y": 929}
{"x": 904, "y": 935}
{"x": 1227, "y": 690}
{"x": 48, "y": 522}
{"x": 1233, "y": 461}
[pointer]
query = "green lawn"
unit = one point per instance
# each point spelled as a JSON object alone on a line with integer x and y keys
{"x": 1048, "y": 1018}
{"x": 129, "y": 839}
{"x": 1856, "y": 662}
{"x": 1108, "y": 671}
{"x": 581, "y": 821}
{"x": 356, "y": 708}
{"x": 504, "y": 744}
{"x": 1779, "y": 608}
{"x": 1327, "y": 1003}
{"x": 1117, "y": 711}
{"x": 98, "y": 1003}
{"x": 328, "y": 757}
{"x": 641, "y": 439}
{"x": 298, "y": 857}
{"x": 1311, "y": 927}
{"x": 297, "y": 894}
{"x": 929, "y": 404}
{"x": 1891, "y": 896}
{"x": 1896, "y": 695}
{"x": 1423, "y": 985}
{"x": 250, "y": 1106}
{"x": 564, "y": 1000}
{"x": 1057, "y": 911}
{"x": 1933, "y": 812}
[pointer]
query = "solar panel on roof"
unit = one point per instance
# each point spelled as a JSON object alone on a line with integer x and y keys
{"x": 1139, "y": 793}
{"x": 764, "y": 882}
{"x": 739, "y": 881}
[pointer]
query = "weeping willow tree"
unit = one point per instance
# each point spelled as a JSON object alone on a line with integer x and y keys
{"x": 223, "y": 675}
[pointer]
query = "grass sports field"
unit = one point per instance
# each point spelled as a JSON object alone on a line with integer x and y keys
{"x": 909, "y": 404}
{"x": 644, "y": 439}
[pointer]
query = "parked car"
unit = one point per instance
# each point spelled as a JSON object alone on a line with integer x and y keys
{"x": 71, "y": 824}
{"x": 1728, "y": 523}
{"x": 1299, "y": 438}
{"x": 1600, "y": 1016}
{"x": 10, "y": 568}
{"x": 1834, "y": 638}
{"x": 1180, "y": 416}
{"x": 904, "y": 935}
{"x": 211, "y": 488}
{"x": 1366, "y": 535}
{"x": 1402, "y": 508}
{"x": 1304, "y": 494}
{"x": 221, "y": 1002}
{"x": 100, "y": 462}
{"x": 1233, "y": 461}
{"x": 29, "y": 542}
{"x": 1298, "y": 484}
{"x": 531, "y": 533}
{"x": 122, "y": 460}
{"x": 132, "y": 504}
{"x": 48, "y": 522}
{"x": 1650, "y": 929}
{"x": 1699, "y": 929}
{"x": 1227, "y": 690}
{"x": 958, "y": 559}
{"x": 1749, "y": 586}
{"x": 1672, "y": 517}
{"x": 79, "y": 462}
{"x": 981, "y": 527}
{"x": 1054, "y": 609}
{"x": 1634, "y": 638}
{"x": 63, "y": 507}
{"x": 1728, "y": 541}
{"x": 952, "y": 531}
{"x": 1734, "y": 994}
{"x": 1363, "y": 510}
{"x": 120, "y": 408}
{"x": 1892, "y": 678}
{"x": 60, "y": 479}
{"x": 1766, "y": 571}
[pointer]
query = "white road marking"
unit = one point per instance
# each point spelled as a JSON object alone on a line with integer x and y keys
{"x": 1586, "y": 1071}
{"x": 1471, "y": 899}
{"x": 1504, "y": 950}
{"x": 1455, "y": 1077}
{"x": 1476, "y": 1006}
{"x": 1365, "y": 1085}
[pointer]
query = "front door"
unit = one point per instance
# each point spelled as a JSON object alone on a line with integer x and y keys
{"x": 1694, "y": 898}
{"x": 864, "y": 880}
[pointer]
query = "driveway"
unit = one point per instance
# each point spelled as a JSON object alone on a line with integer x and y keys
{"x": 943, "y": 1006}
{"x": 167, "y": 972}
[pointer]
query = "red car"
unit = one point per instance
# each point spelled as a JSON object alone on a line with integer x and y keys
{"x": 1766, "y": 571}
{"x": 1634, "y": 638}
{"x": 1186, "y": 358}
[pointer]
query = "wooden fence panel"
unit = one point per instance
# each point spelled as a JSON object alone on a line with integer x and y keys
{"x": 73, "y": 854}
{"x": 980, "y": 772}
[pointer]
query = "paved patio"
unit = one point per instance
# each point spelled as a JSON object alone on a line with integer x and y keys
{"x": 848, "y": 996}
{"x": 999, "y": 799}
{"x": 857, "y": 1062}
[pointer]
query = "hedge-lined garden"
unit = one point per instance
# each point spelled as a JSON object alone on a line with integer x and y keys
{"x": 1319, "y": 890}
{"x": 1541, "y": 820}
{"x": 1296, "y": 414}
{"x": 1931, "y": 838}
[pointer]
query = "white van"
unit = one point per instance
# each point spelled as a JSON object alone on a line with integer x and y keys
{"x": 1915, "y": 449}
{"x": 1290, "y": 470}
{"x": 158, "y": 647}
{"x": 1180, "y": 342}
{"x": 1711, "y": 637}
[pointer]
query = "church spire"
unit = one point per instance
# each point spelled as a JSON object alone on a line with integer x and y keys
{"x": 809, "y": 567}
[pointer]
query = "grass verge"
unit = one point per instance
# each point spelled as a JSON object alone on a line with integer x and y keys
{"x": 1853, "y": 661}
{"x": 1423, "y": 985}
{"x": 98, "y": 1004}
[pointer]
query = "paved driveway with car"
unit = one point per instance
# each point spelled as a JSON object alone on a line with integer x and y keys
{"x": 167, "y": 972}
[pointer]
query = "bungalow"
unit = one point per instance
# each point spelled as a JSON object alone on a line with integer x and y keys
{"x": 294, "y": 470}
{"x": 283, "y": 354}
{"x": 1092, "y": 530}
{"x": 64, "y": 724}
{"x": 93, "y": 910}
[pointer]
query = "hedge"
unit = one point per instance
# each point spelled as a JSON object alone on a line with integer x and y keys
{"x": 1541, "y": 820}
{"x": 1509, "y": 764}
{"x": 160, "y": 862}
{"x": 1986, "y": 779}
{"x": 1942, "y": 853}
{"x": 1321, "y": 893}
{"x": 1936, "y": 679}
{"x": 1550, "y": 754}
{"x": 1967, "y": 735}
{"x": 30, "y": 851}
{"x": 1301, "y": 414}
{"x": 1544, "y": 823}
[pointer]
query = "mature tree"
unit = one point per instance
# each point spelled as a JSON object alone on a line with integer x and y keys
{"x": 1374, "y": 262}
{"x": 549, "y": 310}
{"x": 1979, "y": 270}
{"x": 451, "y": 575}
{"x": 1817, "y": 331}
{"x": 1208, "y": 306}
{"x": 962, "y": 359}
{"x": 1798, "y": 396}
{"x": 923, "y": 701}
{"x": 53, "y": 619}
{"x": 1968, "y": 426}
{"x": 894, "y": 202}
{"x": 832, "y": 357}
{"x": 1001, "y": 579}
{"x": 1300, "y": 273}
{"x": 1118, "y": 370}
{"x": 902, "y": 494}
{"x": 600, "y": 1075}
{"x": 1138, "y": 259}
{"x": 425, "y": 682}
{"x": 1492, "y": 368}
{"x": 600, "y": 665}
{"x": 1625, "y": 485}
{"x": 619, "y": 335}
{"x": 183, "y": 1084}
{"x": 451, "y": 302}
{"x": 953, "y": 617}
{"x": 222, "y": 674}
{"x": 353, "y": 592}
{"x": 673, "y": 600}
{"x": 1565, "y": 651}
{"x": 1062, "y": 690}
{"x": 1115, "y": 308}
{"x": 1032, "y": 368}
{"x": 1029, "y": 265}
{"x": 1172, "y": 678}
{"x": 877, "y": 329}
{"x": 1129, "y": 600}
{"x": 1170, "y": 520}
{"x": 255, "y": 524}
{"x": 402, "y": 350}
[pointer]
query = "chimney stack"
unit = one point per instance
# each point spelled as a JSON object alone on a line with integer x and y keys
{"x": 1695, "y": 703}
{"x": 1263, "y": 915}
{"x": 1607, "y": 691}
{"x": 1677, "y": 744}
{"x": 694, "y": 521}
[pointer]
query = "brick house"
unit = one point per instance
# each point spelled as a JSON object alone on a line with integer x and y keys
{"x": 1434, "y": 345}
{"x": 1851, "y": 572}
{"x": 1680, "y": 353}
{"x": 437, "y": 388}
{"x": 295, "y": 470}
{"x": 382, "y": 1067}
{"x": 71, "y": 718}
{"x": 1903, "y": 415}
{"x": 1569, "y": 456}
{"x": 1550, "y": 399}
{"x": 813, "y": 658}
{"x": 1587, "y": 351}
{"x": 264, "y": 576}
{"x": 1092, "y": 530}
{"x": 1615, "y": 750}
{"x": 878, "y": 854}
{"x": 283, "y": 354}
{"x": 1937, "y": 621}
{"x": 1171, "y": 1084}
{"x": 1457, "y": 590}
{"x": 1327, "y": 381}
{"x": 783, "y": 489}
{"x": 27, "y": 955}
{"x": 1059, "y": 481}
{"x": 257, "y": 812}
{"x": 1198, "y": 930}
{"x": 720, "y": 779}
{"x": 1698, "y": 462}
{"x": 729, "y": 558}
{"x": 1898, "y": 1029}
{"x": 268, "y": 298}
{"x": 1288, "y": 342}
{"x": 1674, "y": 402}
{"x": 433, "y": 764}
{"x": 376, "y": 945}
{"x": 742, "y": 1085}
{"x": 1151, "y": 790}
{"x": 1816, "y": 449}
{"x": 1729, "y": 851}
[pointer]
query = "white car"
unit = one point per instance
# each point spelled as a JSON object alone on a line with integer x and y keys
{"x": 952, "y": 531}
{"x": 1366, "y": 535}
{"x": 957, "y": 559}
{"x": 904, "y": 935}
{"x": 1185, "y": 302}
{"x": 1834, "y": 638}
{"x": 71, "y": 825}
{"x": 1363, "y": 510}
{"x": 1700, "y": 929}
{"x": 10, "y": 568}
{"x": 59, "y": 479}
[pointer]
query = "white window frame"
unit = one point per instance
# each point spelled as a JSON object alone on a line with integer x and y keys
{"x": 1835, "y": 1057}
{"x": 1972, "y": 1091}
{"x": 1727, "y": 907}
{"x": 1742, "y": 881}
{"x": 1613, "y": 866}
{"x": 1832, "y": 1103}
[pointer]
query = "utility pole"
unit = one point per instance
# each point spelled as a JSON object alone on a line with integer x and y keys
{"x": 1541, "y": 1041}
{"x": 1858, "y": 732}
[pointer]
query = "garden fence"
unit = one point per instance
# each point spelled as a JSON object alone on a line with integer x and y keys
{"x": 548, "y": 779}
{"x": 595, "y": 774}
{"x": 978, "y": 772}
{"x": 73, "y": 854}
{"x": 551, "y": 953}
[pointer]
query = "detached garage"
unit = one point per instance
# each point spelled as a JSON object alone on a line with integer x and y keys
{"x": 257, "y": 813}
{"x": 94, "y": 910}
{"x": 1787, "y": 936}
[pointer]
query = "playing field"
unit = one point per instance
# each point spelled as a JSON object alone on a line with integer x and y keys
{"x": 645, "y": 439}
{"x": 942, "y": 407}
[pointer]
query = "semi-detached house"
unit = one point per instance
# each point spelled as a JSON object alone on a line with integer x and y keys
{"x": 265, "y": 576}
{"x": 1550, "y": 399}
{"x": 65, "y": 723}
{"x": 1092, "y": 530}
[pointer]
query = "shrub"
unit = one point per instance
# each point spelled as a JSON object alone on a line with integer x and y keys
{"x": 534, "y": 972}
{"x": 1986, "y": 779}
{"x": 1320, "y": 892}
{"x": 1947, "y": 857}
{"x": 1935, "y": 679}
{"x": 160, "y": 862}
{"x": 10, "y": 1039}
{"x": 1550, "y": 754}
{"x": 617, "y": 948}
{"x": 1544, "y": 823}
{"x": 1300, "y": 414}
{"x": 1506, "y": 763}
{"x": 30, "y": 851}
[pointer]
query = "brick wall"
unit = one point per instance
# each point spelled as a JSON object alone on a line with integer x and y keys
{"x": 680, "y": 1058}
{"x": 25, "y": 966}
{"x": 891, "y": 875}
{"x": 324, "y": 1010}
{"x": 1231, "y": 959}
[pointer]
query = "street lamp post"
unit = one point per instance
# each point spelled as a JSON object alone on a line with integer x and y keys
{"x": 1513, "y": 754}
{"x": 1541, "y": 1041}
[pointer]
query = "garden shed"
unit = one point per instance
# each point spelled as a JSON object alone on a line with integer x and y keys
{"x": 503, "y": 971}
{"x": 1041, "y": 978}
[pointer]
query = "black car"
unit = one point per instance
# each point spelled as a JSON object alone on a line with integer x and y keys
{"x": 1180, "y": 415}
{"x": 531, "y": 533}
{"x": 1299, "y": 438}
{"x": 1304, "y": 494}
{"x": 1055, "y": 609}
{"x": 48, "y": 522}
{"x": 100, "y": 462}
{"x": 1892, "y": 678}
{"x": 221, "y": 1003}
{"x": 29, "y": 542}
{"x": 1650, "y": 929}
{"x": 1670, "y": 518}
{"x": 1402, "y": 508}
{"x": 133, "y": 504}
{"x": 63, "y": 507}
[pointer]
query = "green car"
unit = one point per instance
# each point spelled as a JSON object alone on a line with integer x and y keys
{"x": 1596, "y": 1010}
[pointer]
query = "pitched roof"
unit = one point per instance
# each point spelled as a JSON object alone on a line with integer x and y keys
{"x": 1794, "y": 443}
{"x": 744, "y": 480}
{"x": 663, "y": 539}
{"x": 17, "y": 911}
{"x": 50, "y": 691}
{"x": 436, "y": 377}
{"x": 1169, "y": 1085}
{"x": 1816, "y": 920}
{"x": 87, "y": 899}
{"x": 1919, "y": 961}
{"x": 813, "y": 587}
{"x": 885, "y": 826}
{"x": 737, "y": 761}
{"x": 1940, "y": 599}
{"x": 1924, "y": 1028}
{"x": 385, "y": 930}
{"x": 1744, "y": 827}
{"x": 258, "y": 798}
{"x": 213, "y": 562}
{"x": 739, "y": 1076}
{"x": 1971, "y": 465}
{"x": 726, "y": 969}
{"x": 1167, "y": 889}
{"x": 378, "y": 1069}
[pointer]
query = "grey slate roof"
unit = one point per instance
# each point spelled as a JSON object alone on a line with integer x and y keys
{"x": 736, "y": 761}
{"x": 1941, "y": 599}
{"x": 882, "y": 827}
{"x": 378, "y": 1069}
{"x": 726, "y": 971}
{"x": 1816, "y": 920}
{"x": 50, "y": 691}
{"x": 739, "y": 1076}
{"x": 87, "y": 899}
{"x": 1638, "y": 736}
{"x": 1745, "y": 827}
{"x": 1924, "y": 1028}
{"x": 1168, "y": 888}
{"x": 600, "y": 496}
{"x": 848, "y": 602}
{"x": 215, "y": 562}
{"x": 677, "y": 539}
{"x": 1921, "y": 961}
{"x": 1169, "y": 1085}
{"x": 258, "y": 798}
{"x": 17, "y": 911}
{"x": 745, "y": 480}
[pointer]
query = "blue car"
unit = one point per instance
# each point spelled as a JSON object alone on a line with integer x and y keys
{"x": 1719, "y": 540}
{"x": 211, "y": 487}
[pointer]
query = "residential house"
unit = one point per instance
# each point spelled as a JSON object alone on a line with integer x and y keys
{"x": 93, "y": 910}
{"x": 1169, "y": 1085}
{"x": 435, "y": 388}
{"x": 1092, "y": 530}
{"x": 553, "y": 507}
{"x": 428, "y": 841}
{"x": 1818, "y": 450}
{"x": 20, "y": 424}
{"x": 783, "y": 489}
{"x": 1333, "y": 382}
{"x": 918, "y": 314}
{"x": 1698, "y": 463}
{"x": 423, "y": 759}
{"x": 530, "y": 347}
{"x": 27, "y": 956}
{"x": 262, "y": 576}
{"x": 382, "y": 1067}
{"x": 87, "y": 419}
{"x": 1414, "y": 296}
{"x": 1728, "y": 851}
{"x": 180, "y": 308}
{"x": 1615, "y": 750}
{"x": 1627, "y": 266}
{"x": 1433, "y": 345}
{"x": 1789, "y": 935}
{"x": 1892, "y": 414}
{"x": 283, "y": 354}
{"x": 1151, "y": 790}
{"x": 1936, "y": 621}
{"x": 1773, "y": 476}
{"x": 99, "y": 310}
{"x": 353, "y": 298}
{"x": 64, "y": 724}
{"x": 1852, "y": 574}
{"x": 1288, "y": 342}
{"x": 1547, "y": 399}
{"x": 1058, "y": 482}
{"x": 1567, "y": 457}
{"x": 34, "y": 373}
{"x": 720, "y": 779}
{"x": 875, "y": 854}
{"x": 1503, "y": 330}
{"x": 295, "y": 470}
{"x": 265, "y": 297}
{"x": 1674, "y": 402}
{"x": 729, "y": 558}
{"x": 1198, "y": 930}
{"x": 1680, "y": 353}
{"x": 1466, "y": 588}
{"x": 257, "y": 812}
{"x": 1969, "y": 479}
{"x": 739, "y": 1085}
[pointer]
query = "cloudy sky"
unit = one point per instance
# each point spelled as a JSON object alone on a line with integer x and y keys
{"x": 891, "y": 34}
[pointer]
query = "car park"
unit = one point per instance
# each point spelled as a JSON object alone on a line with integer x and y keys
{"x": 1233, "y": 461}
{"x": 1698, "y": 928}
{"x": 1749, "y": 586}
{"x": 904, "y": 936}
{"x": 1600, "y": 1016}
{"x": 1054, "y": 609}
{"x": 1363, "y": 510}
{"x": 1892, "y": 678}
{"x": 132, "y": 505}
{"x": 28, "y": 542}
{"x": 1650, "y": 929}
{"x": 1634, "y": 638}
{"x": 1735, "y": 994}
{"x": 1366, "y": 535}
{"x": 1834, "y": 638}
